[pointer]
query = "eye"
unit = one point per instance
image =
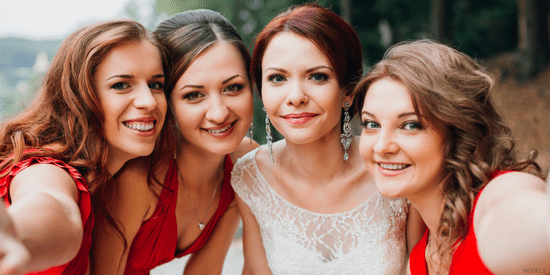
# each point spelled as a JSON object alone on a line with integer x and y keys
{"x": 412, "y": 125}
{"x": 319, "y": 77}
{"x": 193, "y": 96}
{"x": 276, "y": 78}
{"x": 120, "y": 86}
{"x": 234, "y": 88}
{"x": 156, "y": 86}
{"x": 369, "y": 124}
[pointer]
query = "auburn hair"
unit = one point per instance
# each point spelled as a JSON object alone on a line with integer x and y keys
{"x": 328, "y": 31}
{"x": 452, "y": 92}
{"x": 65, "y": 120}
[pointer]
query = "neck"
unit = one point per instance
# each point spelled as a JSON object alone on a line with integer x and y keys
{"x": 115, "y": 164}
{"x": 198, "y": 167}
{"x": 324, "y": 158}
{"x": 430, "y": 205}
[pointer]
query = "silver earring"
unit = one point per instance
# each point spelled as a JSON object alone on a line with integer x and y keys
{"x": 268, "y": 136}
{"x": 250, "y": 130}
{"x": 345, "y": 137}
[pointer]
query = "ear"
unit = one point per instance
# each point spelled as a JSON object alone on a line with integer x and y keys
{"x": 348, "y": 98}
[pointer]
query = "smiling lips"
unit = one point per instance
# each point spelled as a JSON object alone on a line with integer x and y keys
{"x": 143, "y": 126}
{"x": 392, "y": 169}
{"x": 221, "y": 131}
{"x": 300, "y": 118}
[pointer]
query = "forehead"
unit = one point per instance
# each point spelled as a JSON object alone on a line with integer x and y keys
{"x": 220, "y": 59}
{"x": 288, "y": 46}
{"x": 131, "y": 57}
{"x": 387, "y": 95}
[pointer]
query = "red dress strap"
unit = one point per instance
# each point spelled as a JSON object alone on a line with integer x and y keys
{"x": 79, "y": 264}
{"x": 156, "y": 239}
{"x": 417, "y": 259}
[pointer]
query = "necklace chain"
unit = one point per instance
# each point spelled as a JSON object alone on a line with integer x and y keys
{"x": 201, "y": 223}
{"x": 429, "y": 258}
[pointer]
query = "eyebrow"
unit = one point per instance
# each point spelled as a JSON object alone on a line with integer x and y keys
{"x": 127, "y": 76}
{"x": 201, "y": 86}
{"x": 399, "y": 116}
{"x": 121, "y": 76}
{"x": 232, "y": 77}
{"x": 319, "y": 67}
{"x": 307, "y": 71}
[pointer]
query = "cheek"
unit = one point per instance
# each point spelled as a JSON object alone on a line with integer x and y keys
{"x": 244, "y": 105}
{"x": 271, "y": 99}
{"x": 188, "y": 117}
{"x": 162, "y": 104}
{"x": 365, "y": 148}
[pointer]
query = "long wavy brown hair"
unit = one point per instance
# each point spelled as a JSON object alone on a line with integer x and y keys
{"x": 453, "y": 92}
{"x": 65, "y": 120}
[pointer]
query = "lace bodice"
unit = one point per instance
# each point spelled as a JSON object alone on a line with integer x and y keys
{"x": 369, "y": 239}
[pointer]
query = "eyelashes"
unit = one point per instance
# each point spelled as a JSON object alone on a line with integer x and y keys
{"x": 408, "y": 125}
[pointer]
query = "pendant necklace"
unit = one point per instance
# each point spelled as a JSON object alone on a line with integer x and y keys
{"x": 429, "y": 258}
{"x": 201, "y": 223}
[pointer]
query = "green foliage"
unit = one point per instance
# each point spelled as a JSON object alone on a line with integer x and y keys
{"x": 485, "y": 28}
{"x": 18, "y": 83}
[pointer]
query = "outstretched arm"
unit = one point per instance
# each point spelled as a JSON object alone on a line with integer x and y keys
{"x": 45, "y": 215}
{"x": 14, "y": 254}
{"x": 512, "y": 224}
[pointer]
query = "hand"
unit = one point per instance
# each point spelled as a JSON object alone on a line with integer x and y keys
{"x": 13, "y": 254}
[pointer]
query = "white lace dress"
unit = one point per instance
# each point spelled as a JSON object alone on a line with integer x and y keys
{"x": 369, "y": 239}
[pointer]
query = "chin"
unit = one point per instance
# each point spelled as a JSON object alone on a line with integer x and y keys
{"x": 387, "y": 191}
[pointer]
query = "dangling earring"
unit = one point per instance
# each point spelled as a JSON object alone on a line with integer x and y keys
{"x": 345, "y": 137}
{"x": 268, "y": 136}
{"x": 250, "y": 130}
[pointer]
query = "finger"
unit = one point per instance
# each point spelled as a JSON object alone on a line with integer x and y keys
{"x": 15, "y": 255}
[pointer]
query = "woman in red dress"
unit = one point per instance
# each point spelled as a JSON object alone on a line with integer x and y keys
{"x": 431, "y": 134}
{"x": 182, "y": 203}
{"x": 101, "y": 104}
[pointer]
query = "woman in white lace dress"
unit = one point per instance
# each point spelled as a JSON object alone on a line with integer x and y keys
{"x": 308, "y": 204}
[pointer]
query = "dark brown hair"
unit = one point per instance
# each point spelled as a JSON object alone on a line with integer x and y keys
{"x": 187, "y": 34}
{"x": 452, "y": 91}
{"x": 328, "y": 31}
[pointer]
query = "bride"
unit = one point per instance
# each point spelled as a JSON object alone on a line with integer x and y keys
{"x": 308, "y": 204}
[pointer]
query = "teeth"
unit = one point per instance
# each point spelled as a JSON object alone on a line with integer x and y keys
{"x": 143, "y": 127}
{"x": 393, "y": 166}
{"x": 219, "y": 130}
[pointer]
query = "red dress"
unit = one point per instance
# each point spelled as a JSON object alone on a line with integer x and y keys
{"x": 155, "y": 243}
{"x": 466, "y": 259}
{"x": 79, "y": 264}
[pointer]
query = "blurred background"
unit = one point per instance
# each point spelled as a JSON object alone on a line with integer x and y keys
{"x": 509, "y": 37}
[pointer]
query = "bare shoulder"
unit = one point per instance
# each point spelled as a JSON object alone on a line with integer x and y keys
{"x": 246, "y": 146}
{"x": 43, "y": 177}
{"x": 506, "y": 185}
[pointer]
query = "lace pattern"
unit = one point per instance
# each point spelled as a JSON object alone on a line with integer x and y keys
{"x": 369, "y": 239}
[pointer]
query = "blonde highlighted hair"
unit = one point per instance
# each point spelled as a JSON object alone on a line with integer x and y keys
{"x": 452, "y": 91}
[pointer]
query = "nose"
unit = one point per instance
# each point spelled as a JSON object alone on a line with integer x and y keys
{"x": 144, "y": 98}
{"x": 217, "y": 111}
{"x": 297, "y": 95}
{"x": 386, "y": 144}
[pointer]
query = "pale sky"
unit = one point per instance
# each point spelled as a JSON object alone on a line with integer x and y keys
{"x": 53, "y": 19}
